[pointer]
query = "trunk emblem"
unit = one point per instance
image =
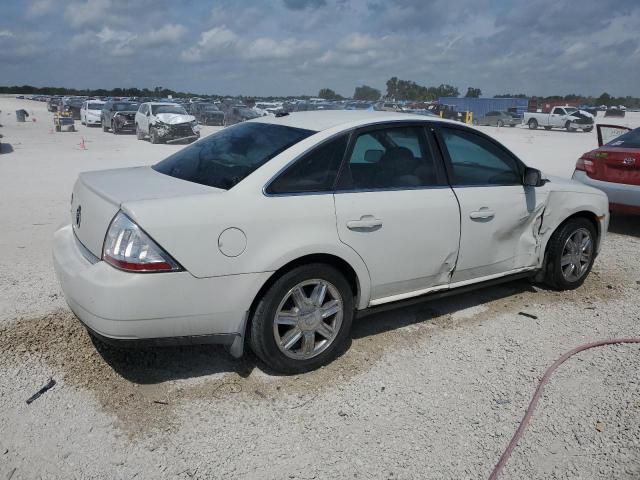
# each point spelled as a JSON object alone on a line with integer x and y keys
{"x": 629, "y": 161}
{"x": 78, "y": 216}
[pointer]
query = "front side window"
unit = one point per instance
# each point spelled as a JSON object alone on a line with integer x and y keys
{"x": 389, "y": 158}
{"x": 316, "y": 171}
{"x": 225, "y": 158}
{"x": 477, "y": 161}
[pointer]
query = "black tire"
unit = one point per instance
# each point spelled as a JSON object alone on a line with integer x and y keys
{"x": 554, "y": 276}
{"x": 500, "y": 123}
{"x": 512, "y": 125}
{"x": 547, "y": 128}
{"x": 533, "y": 124}
{"x": 153, "y": 136}
{"x": 567, "y": 125}
{"x": 261, "y": 331}
{"x": 58, "y": 128}
{"x": 588, "y": 129}
{"x": 114, "y": 128}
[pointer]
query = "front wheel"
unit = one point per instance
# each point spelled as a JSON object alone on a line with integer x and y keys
{"x": 570, "y": 254}
{"x": 533, "y": 124}
{"x": 303, "y": 320}
{"x": 588, "y": 129}
{"x": 153, "y": 136}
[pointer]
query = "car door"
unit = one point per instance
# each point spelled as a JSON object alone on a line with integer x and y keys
{"x": 394, "y": 208}
{"x": 500, "y": 217}
{"x": 557, "y": 117}
{"x": 143, "y": 122}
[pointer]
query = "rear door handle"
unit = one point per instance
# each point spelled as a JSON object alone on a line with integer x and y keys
{"x": 366, "y": 221}
{"x": 483, "y": 213}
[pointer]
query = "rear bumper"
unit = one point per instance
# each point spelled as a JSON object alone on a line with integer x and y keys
{"x": 160, "y": 308}
{"x": 622, "y": 197}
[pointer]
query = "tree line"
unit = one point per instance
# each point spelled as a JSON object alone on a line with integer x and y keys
{"x": 396, "y": 90}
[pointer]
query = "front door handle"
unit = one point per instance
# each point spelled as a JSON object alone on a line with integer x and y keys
{"x": 366, "y": 221}
{"x": 483, "y": 213}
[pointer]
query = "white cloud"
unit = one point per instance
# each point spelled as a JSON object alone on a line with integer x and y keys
{"x": 87, "y": 13}
{"x": 40, "y": 7}
{"x": 169, "y": 33}
{"x": 6, "y": 33}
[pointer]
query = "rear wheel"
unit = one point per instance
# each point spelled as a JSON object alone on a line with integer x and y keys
{"x": 570, "y": 254}
{"x": 533, "y": 124}
{"x": 303, "y": 320}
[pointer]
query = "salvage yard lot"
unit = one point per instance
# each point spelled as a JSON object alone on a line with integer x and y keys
{"x": 432, "y": 391}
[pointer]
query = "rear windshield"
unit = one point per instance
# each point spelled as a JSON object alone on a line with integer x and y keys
{"x": 628, "y": 140}
{"x": 95, "y": 106}
{"x": 225, "y": 158}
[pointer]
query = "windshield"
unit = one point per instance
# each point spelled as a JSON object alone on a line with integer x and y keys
{"x": 628, "y": 140}
{"x": 125, "y": 107}
{"x": 168, "y": 109}
{"x": 95, "y": 106}
{"x": 224, "y": 159}
{"x": 571, "y": 110}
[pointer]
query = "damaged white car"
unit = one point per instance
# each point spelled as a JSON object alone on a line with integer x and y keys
{"x": 165, "y": 123}
{"x": 276, "y": 232}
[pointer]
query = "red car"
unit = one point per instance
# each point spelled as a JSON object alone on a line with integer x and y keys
{"x": 614, "y": 167}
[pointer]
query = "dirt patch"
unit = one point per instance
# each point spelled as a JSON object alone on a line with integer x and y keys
{"x": 143, "y": 388}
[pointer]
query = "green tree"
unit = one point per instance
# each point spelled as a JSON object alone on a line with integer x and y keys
{"x": 329, "y": 94}
{"x": 473, "y": 92}
{"x": 365, "y": 92}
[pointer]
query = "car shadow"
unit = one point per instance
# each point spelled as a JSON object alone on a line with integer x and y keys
{"x": 430, "y": 310}
{"x": 5, "y": 148}
{"x": 625, "y": 224}
{"x": 154, "y": 365}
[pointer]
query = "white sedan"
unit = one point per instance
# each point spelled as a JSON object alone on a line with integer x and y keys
{"x": 90, "y": 112}
{"x": 276, "y": 231}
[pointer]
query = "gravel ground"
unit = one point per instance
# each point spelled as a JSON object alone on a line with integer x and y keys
{"x": 433, "y": 391}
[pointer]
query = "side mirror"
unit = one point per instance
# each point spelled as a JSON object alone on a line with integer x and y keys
{"x": 533, "y": 178}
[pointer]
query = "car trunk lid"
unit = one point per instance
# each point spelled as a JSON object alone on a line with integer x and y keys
{"x": 617, "y": 165}
{"x": 97, "y": 197}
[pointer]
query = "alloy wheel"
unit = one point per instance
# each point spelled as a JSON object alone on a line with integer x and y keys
{"x": 576, "y": 255}
{"x": 308, "y": 319}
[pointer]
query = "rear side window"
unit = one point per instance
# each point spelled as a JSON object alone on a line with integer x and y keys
{"x": 628, "y": 140}
{"x": 314, "y": 172}
{"x": 389, "y": 158}
{"x": 477, "y": 161}
{"x": 225, "y": 158}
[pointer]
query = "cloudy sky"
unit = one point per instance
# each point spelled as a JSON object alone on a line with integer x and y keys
{"x": 292, "y": 47}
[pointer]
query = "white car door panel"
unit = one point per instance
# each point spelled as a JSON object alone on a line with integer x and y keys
{"x": 393, "y": 211}
{"x": 407, "y": 238}
{"x": 499, "y": 217}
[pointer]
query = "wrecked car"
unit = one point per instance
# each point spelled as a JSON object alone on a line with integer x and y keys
{"x": 274, "y": 233}
{"x": 118, "y": 116}
{"x": 165, "y": 122}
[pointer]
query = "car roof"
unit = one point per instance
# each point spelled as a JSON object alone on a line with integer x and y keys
{"x": 162, "y": 103}
{"x": 319, "y": 120}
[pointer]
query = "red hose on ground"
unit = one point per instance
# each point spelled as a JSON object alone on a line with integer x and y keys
{"x": 538, "y": 393}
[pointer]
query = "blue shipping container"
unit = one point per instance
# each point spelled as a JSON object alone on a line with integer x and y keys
{"x": 481, "y": 106}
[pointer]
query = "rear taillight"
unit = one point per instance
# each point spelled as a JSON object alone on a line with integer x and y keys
{"x": 586, "y": 163}
{"x": 129, "y": 248}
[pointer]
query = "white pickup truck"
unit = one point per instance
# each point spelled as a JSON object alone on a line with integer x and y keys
{"x": 569, "y": 118}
